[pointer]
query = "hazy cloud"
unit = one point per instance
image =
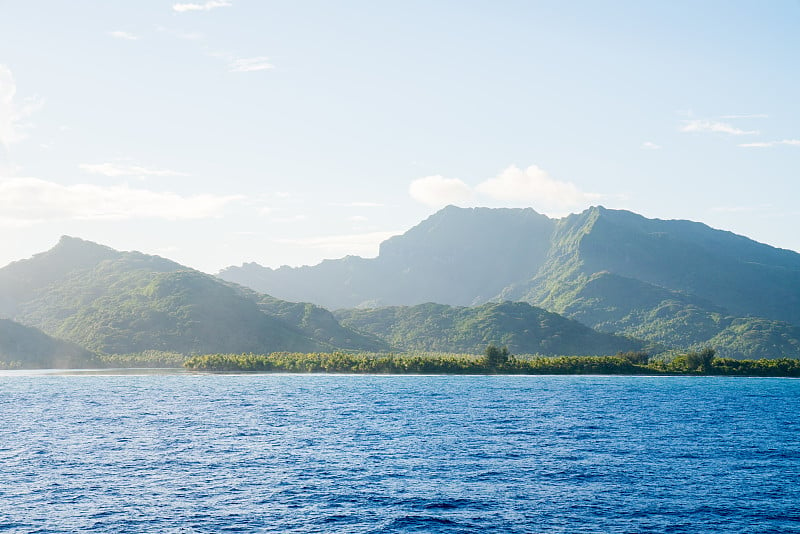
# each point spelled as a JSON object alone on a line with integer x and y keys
{"x": 123, "y": 35}
{"x": 767, "y": 144}
{"x": 31, "y": 200}
{"x": 534, "y": 186}
{"x": 116, "y": 169}
{"x": 708, "y": 126}
{"x": 251, "y": 64}
{"x": 12, "y": 113}
{"x": 206, "y": 6}
{"x": 439, "y": 191}
{"x": 648, "y": 145}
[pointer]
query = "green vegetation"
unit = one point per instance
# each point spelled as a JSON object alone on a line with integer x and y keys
{"x": 674, "y": 284}
{"x": 591, "y": 284}
{"x": 318, "y": 323}
{"x": 696, "y": 363}
{"x": 523, "y": 328}
{"x": 152, "y": 359}
{"x": 495, "y": 357}
{"x": 23, "y": 347}
{"x": 126, "y": 302}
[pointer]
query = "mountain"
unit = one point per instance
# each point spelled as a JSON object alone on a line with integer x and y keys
{"x": 320, "y": 324}
{"x": 731, "y": 271}
{"x": 456, "y": 256}
{"x": 523, "y": 328}
{"x": 124, "y": 302}
{"x": 26, "y": 347}
{"x": 676, "y": 283}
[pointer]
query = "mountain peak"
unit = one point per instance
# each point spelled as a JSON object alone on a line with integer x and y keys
{"x": 67, "y": 242}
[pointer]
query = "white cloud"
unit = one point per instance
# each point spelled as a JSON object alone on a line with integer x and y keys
{"x": 31, "y": 200}
{"x": 365, "y": 245}
{"x": 251, "y": 64}
{"x": 649, "y": 145}
{"x": 13, "y": 114}
{"x": 534, "y": 186}
{"x": 357, "y": 218}
{"x": 439, "y": 191}
{"x": 707, "y": 126}
{"x": 123, "y": 35}
{"x": 116, "y": 169}
{"x": 767, "y": 144}
{"x": 206, "y": 6}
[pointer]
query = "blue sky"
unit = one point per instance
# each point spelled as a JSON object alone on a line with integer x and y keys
{"x": 218, "y": 132}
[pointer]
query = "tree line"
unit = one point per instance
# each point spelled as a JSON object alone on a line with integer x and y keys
{"x": 496, "y": 360}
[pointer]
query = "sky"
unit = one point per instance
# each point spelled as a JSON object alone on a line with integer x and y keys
{"x": 217, "y": 132}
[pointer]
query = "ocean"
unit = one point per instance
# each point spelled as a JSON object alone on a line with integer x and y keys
{"x": 203, "y": 453}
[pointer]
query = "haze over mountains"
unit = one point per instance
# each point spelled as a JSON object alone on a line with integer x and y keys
{"x": 593, "y": 283}
{"x": 94, "y": 300}
{"x": 674, "y": 283}
{"x": 124, "y": 302}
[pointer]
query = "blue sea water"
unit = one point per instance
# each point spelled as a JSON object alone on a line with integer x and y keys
{"x": 363, "y": 454}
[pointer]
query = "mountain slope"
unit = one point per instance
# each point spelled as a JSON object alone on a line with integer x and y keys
{"x": 26, "y": 347}
{"x": 521, "y": 327}
{"x": 672, "y": 282}
{"x": 122, "y": 302}
{"x": 320, "y": 324}
{"x": 736, "y": 273}
{"x": 456, "y": 256}
{"x": 675, "y": 283}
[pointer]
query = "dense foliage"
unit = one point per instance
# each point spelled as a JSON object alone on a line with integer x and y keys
{"x": 695, "y": 363}
{"x": 519, "y": 326}
{"x": 152, "y": 359}
{"x": 126, "y": 302}
{"x": 319, "y": 323}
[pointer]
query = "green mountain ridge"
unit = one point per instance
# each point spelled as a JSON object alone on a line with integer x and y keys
{"x": 126, "y": 302}
{"x": 675, "y": 283}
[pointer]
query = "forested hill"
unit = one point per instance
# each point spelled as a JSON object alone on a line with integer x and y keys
{"x": 677, "y": 283}
{"x": 522, "y": 328}
{"x": 122, "y": 302}
{"x": 26, "y": 347}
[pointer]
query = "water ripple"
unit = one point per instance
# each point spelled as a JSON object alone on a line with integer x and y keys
{"x": 275, "y": 453}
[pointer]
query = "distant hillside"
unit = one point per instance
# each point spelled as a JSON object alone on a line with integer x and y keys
{"x": 319, "y": 323}
{"x": 521, "y": 327}
{"x": 26, "y": 347}
{"x": 457, "y": 256}
{"x": 677, "y": 283}
{"x": 123, "y": 302}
